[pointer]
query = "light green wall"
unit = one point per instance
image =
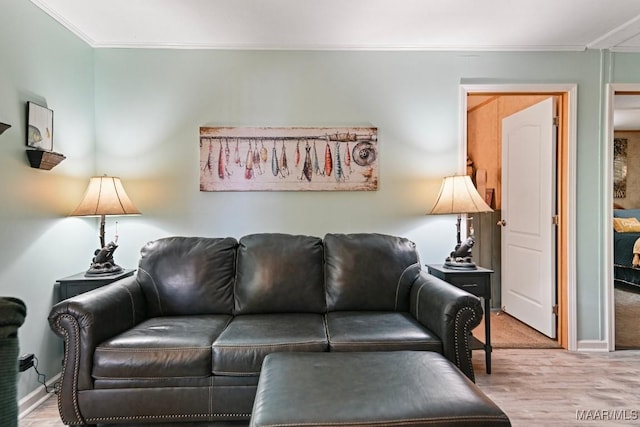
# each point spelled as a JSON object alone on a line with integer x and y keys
{"x": 44, "y": 63}
{"x": 149, "y": 104}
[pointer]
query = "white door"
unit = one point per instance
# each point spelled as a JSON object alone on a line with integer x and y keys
{"x": 528, "y": 209}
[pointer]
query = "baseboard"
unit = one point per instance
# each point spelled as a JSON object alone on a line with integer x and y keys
{"x": 34, "y": 399}
{"x": 592, "y": 345}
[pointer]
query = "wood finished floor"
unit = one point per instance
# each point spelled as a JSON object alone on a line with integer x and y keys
{"x": 534, "y": 387}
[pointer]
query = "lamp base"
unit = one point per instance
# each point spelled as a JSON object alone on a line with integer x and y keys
{"x": 103, "y": 263}
{"x": 103, "y": 270}
{"x": 460, "y": 264}
{"x": 460, "y": 258}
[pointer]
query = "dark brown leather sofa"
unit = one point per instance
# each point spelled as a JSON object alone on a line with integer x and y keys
{"x": 183, "y": 340}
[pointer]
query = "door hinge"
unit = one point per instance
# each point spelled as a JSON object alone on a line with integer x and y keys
{"x": 556, "y": 121}
{"x": 555, "y": 220}
{"x": 554, "y": 309}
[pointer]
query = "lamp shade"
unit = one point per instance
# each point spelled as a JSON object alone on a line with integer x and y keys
{"x": 458, "y": 195}
{"x": 105, "y": 195}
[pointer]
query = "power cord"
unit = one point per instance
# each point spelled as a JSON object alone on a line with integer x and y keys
{"x": 42, "y": 378}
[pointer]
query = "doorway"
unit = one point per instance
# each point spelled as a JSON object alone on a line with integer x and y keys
{"x": 623, "y": 201}
{"x": 565, "y": 259}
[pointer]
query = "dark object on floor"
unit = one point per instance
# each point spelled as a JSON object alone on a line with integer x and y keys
{"x": 12, "y": 314}
{"x": 375, "y": 388}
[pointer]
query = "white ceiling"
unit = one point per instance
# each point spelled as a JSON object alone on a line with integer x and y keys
{"x": 498, "y": 25}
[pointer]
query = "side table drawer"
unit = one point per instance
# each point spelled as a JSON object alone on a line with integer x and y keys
{"x": 71, "y": 290}
{"x": 476, "y": 282}
{"x": 79, "y": 283}
{"x": 478, "y": 286}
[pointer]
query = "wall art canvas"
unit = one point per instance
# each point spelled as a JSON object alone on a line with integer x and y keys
{"x": 39, "y": 127}
{"x": 288, "y": 159}
{"x": 620, "y": 168}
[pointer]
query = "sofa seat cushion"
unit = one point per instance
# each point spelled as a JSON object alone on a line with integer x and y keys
{"x": 240, "y": 349}
{"x": 378, "y": 331}
{"x": 161, "y": 347}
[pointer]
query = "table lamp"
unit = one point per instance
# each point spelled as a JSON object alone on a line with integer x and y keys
{"x": 105, "y": 195}
{"x": 459, "y": 196}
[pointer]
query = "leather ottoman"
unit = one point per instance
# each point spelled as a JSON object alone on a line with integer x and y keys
{"x": 398, "y": 388}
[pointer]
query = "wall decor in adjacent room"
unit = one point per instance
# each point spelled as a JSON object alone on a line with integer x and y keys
{"x": 619, "y": 168}
{"x": 39, "y": 127}
{"x": 288, "y": 159}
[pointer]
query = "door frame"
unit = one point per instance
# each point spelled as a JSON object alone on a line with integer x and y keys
{"x": 567, "y": 198}
{"x": 610, "y": 309}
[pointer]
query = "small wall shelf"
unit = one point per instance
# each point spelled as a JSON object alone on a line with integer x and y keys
{"x": 3, "y": 127}
{"x": 46, "y": 160}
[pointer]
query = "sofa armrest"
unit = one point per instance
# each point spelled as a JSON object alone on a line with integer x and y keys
{"x": 449, "y": 312}
{"x": 84, "y": 321}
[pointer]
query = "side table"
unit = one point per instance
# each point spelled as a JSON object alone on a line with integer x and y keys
{"x": 478, "y": 283}
{"x": 79, "y": 283}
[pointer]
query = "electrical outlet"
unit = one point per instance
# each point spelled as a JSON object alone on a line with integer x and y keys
{"x": 25, "y": 362}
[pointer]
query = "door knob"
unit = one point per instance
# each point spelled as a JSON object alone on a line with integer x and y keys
{"x": 502, "y": 223}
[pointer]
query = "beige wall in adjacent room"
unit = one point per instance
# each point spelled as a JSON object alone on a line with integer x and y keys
{"x": 484, "y": 130}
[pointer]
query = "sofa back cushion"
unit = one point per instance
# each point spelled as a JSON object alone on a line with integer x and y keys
{"x": 369, "y": 271}
{"x": 188, "y": 275}
{"x": 278, "y": 273}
